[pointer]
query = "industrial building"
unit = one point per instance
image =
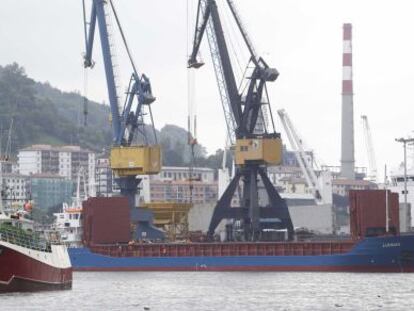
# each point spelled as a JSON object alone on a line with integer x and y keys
{"x": 47, "y": 190}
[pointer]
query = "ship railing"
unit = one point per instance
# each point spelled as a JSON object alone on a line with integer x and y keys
{"x": 25, "y": 240}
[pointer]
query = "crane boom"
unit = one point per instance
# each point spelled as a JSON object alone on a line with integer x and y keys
{"x": 243, "y": 31}
{"x": 206, "y": 9}
{"x": 300, "y": 154}
{"x": 221, "y": 84}
{"x": 369, "y": 145}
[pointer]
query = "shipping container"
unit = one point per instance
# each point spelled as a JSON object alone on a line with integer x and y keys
{"x": 106, "y": 221}
{"x": 368, "y": 213}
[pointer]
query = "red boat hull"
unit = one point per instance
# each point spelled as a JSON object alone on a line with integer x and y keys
{"x": 20, "y": 272}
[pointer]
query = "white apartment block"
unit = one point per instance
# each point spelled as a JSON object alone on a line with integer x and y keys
{"x": 64, "y": 161}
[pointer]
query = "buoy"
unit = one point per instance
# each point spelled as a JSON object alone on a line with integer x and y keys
{"x": 28, "y": 207}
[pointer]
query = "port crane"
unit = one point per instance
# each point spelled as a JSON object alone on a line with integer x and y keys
{"x": 134, "y": 150}
{"x": 316, "y": 185}
{"x": 369, "y": 145}
{"x": 256, "y": 142}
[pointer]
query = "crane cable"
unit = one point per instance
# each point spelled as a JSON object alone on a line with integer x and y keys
{"x": 131, "y": 59}
{"x": 124, "y": 38}
{"x": 85, "y": 97}
{"x": 85, "y": 72}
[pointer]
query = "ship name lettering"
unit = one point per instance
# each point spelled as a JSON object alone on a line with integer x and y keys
{"x": 391, "y": 245}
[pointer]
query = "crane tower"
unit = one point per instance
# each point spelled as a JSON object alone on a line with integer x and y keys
{"x": 257, "y": 144}
{"x": 134, "y": 149}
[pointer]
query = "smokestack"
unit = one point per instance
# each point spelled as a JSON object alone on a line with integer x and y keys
{"x": 347, "y": 152}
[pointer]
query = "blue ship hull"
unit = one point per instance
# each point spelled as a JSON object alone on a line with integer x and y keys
{"x": 376, "y": 254}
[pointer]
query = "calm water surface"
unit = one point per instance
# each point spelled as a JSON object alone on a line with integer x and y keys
{"x": 185, "y": 291}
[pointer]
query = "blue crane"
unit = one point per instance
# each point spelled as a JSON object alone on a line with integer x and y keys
{"x": 134, "y": 149}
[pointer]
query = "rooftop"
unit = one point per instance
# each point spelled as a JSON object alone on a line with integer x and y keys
{"x": 186, "y": 168}
{"x": 352, "y": 182}
{"x": 293, "y": 180}
{"x": 67, "y": 148}
{"x": 13, "y": 175}
{"x": 182, "y": 182}
{"x": 46, "y": 175}
{"x": 284, "y": 169}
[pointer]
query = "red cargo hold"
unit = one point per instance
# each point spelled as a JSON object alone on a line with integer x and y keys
{"x": 106, "y": 221}
{"x": 368, "y": 210}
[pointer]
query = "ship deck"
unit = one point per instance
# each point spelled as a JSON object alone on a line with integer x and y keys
{"x": 225, "y": 249}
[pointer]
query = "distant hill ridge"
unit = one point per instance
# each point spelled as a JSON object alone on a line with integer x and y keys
{"x": 43, "y": 114}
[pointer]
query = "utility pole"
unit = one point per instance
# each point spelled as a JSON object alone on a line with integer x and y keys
{"x": 405, "y": 141}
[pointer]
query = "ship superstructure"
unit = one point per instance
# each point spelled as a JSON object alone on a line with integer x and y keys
{"x": 68, "y": 223}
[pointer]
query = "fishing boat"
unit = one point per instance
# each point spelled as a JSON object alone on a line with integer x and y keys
{"x": 29, "y": 262}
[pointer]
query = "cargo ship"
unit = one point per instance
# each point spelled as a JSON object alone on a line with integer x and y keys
{"x": 29, "y": 262}
{"x": 375, "y": 254}
{"x": 376, "y": 245}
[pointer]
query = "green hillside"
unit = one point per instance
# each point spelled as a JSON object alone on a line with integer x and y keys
{"x": 42, "y": 114}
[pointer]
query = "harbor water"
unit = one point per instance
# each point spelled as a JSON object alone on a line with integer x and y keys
{"x": 187, "y": 291}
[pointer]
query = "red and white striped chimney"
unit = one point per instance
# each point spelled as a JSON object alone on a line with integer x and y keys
{"x": 347, "y": 152}
{"x": 347, "y": 61}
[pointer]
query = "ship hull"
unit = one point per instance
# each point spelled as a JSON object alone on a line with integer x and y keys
{"x": 27, "y": 270}
{"x": 379, "y": 254}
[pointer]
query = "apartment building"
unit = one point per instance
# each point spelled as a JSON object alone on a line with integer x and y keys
{"x": 63, "y": 161}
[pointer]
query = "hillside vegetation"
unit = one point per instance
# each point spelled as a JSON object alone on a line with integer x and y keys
{"x": 43, "y": 114}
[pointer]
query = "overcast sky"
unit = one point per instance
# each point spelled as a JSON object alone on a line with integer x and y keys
{"x": 301, "y": 38}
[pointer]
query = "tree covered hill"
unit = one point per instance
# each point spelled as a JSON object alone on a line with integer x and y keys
{"x": 43, "y": 114}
